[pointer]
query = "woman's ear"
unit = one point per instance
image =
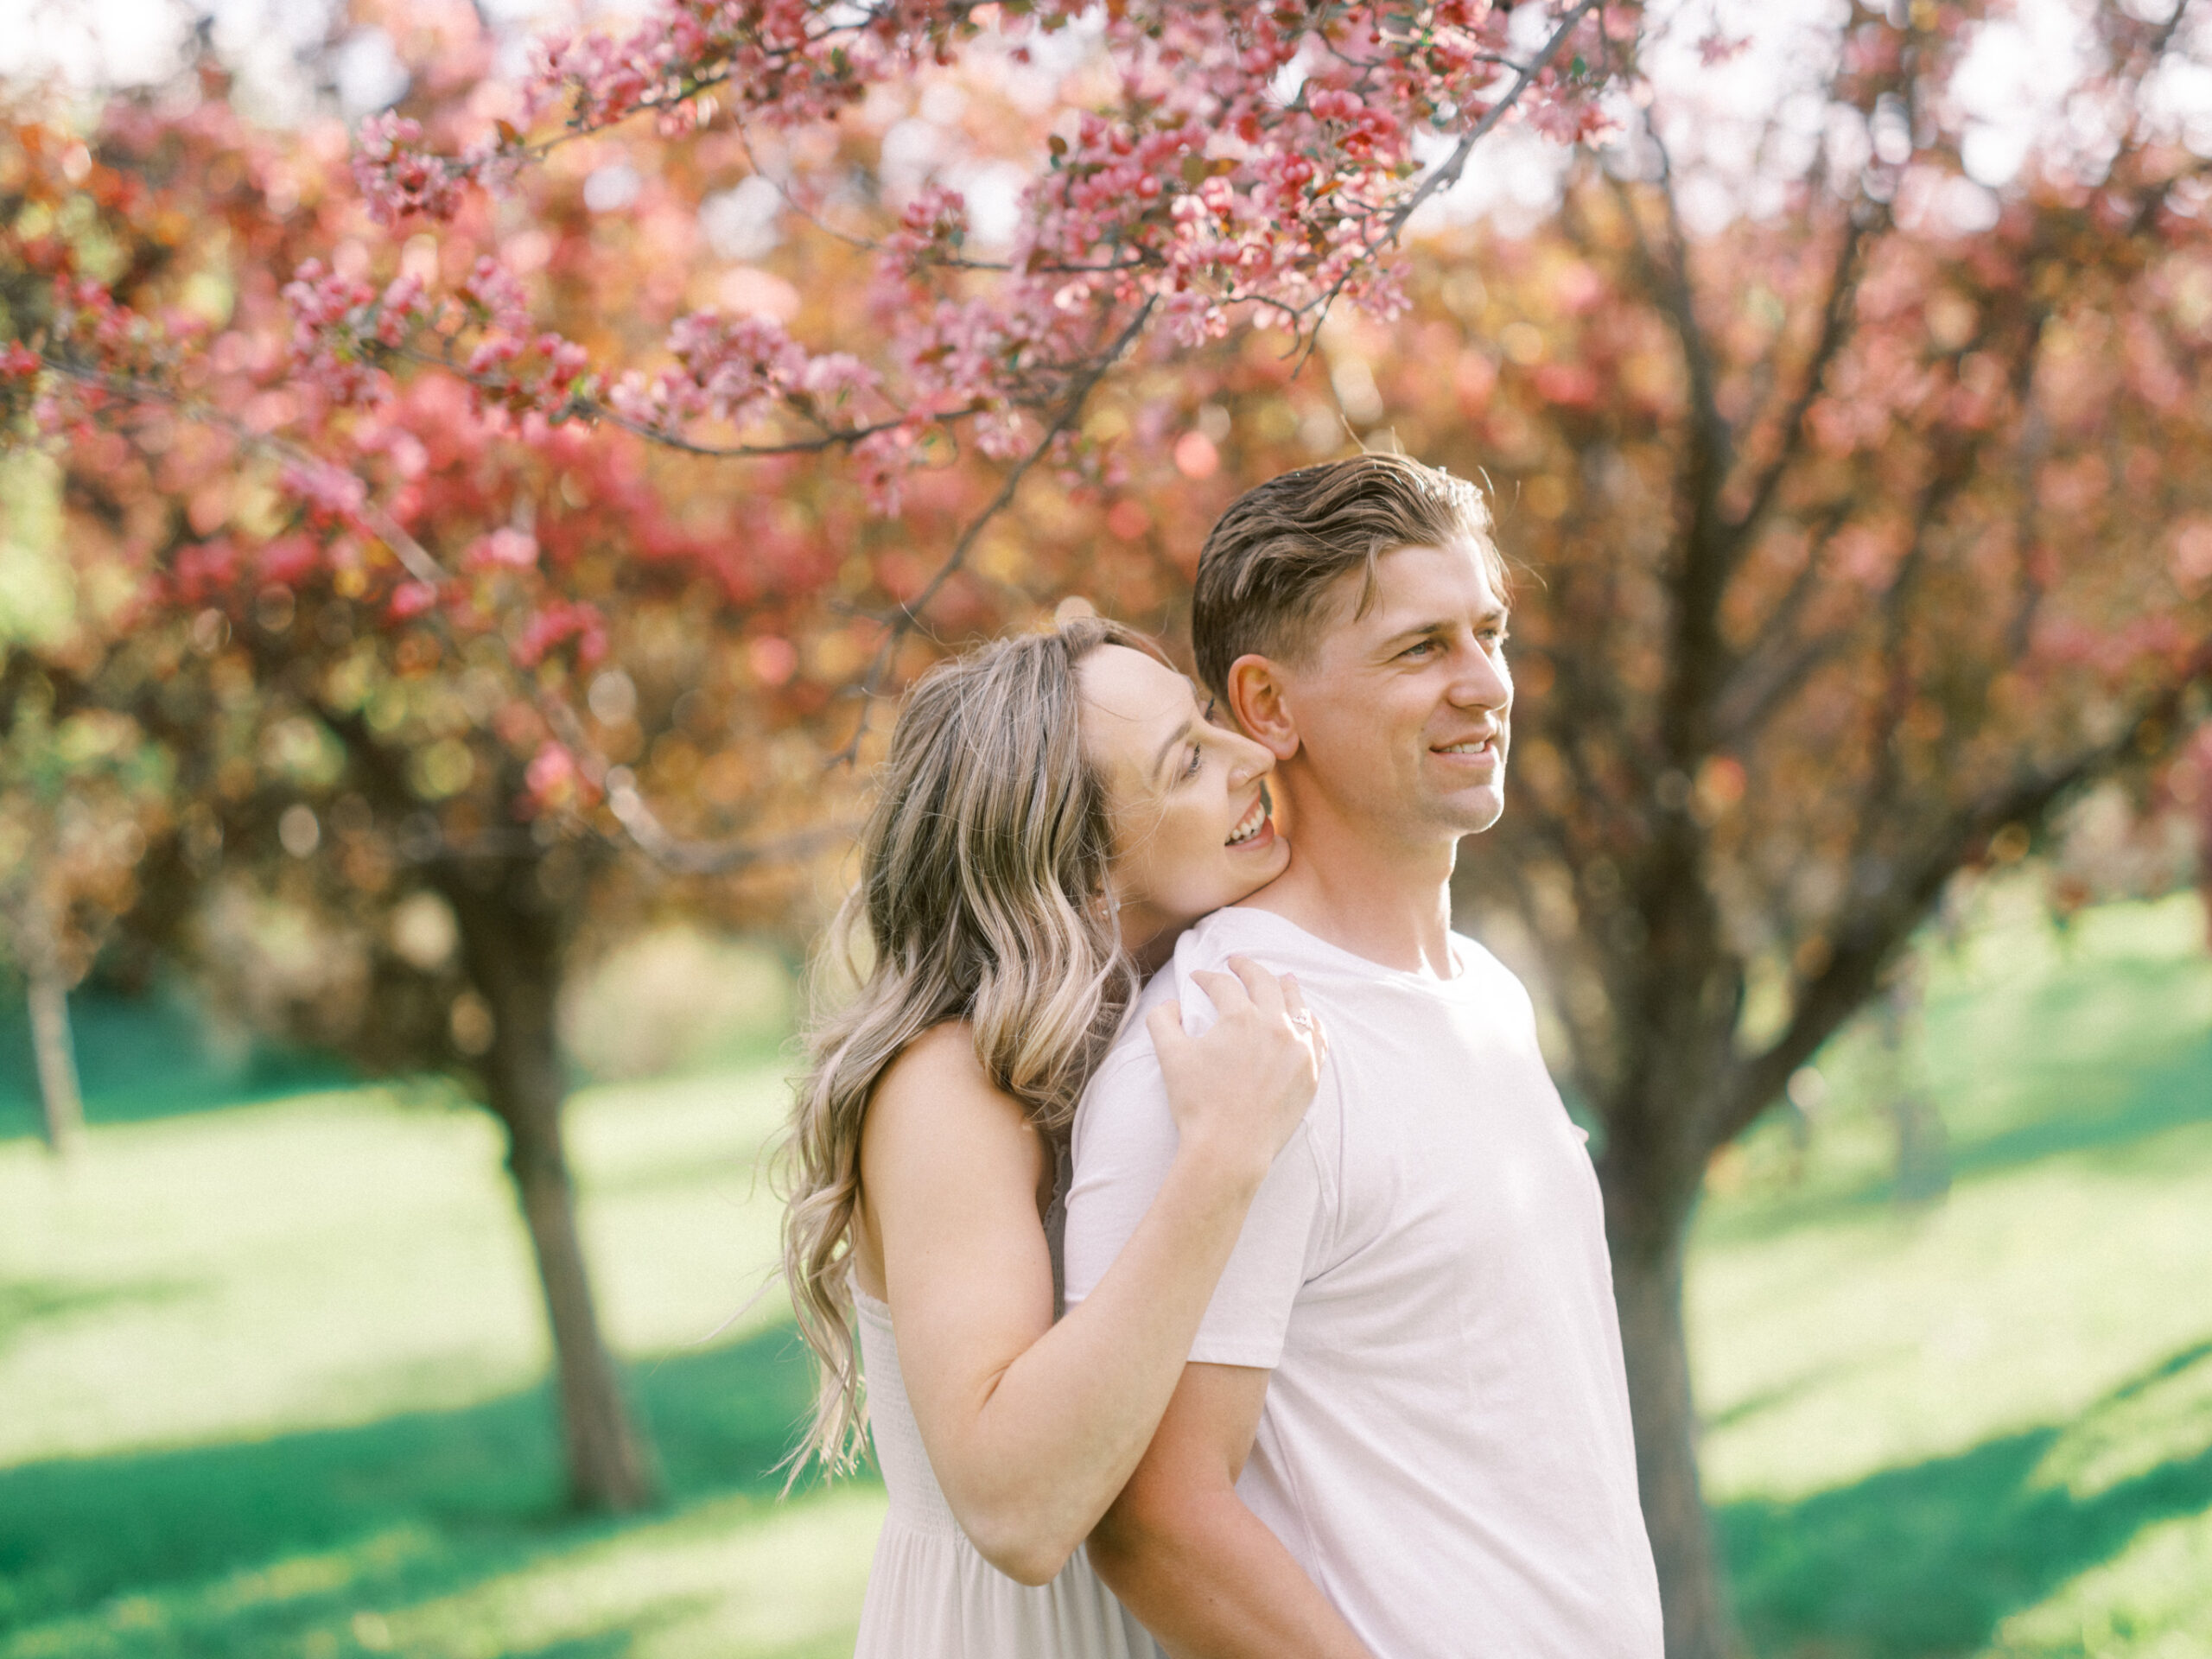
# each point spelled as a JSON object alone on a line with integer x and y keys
{"x": 1257, "y": 698}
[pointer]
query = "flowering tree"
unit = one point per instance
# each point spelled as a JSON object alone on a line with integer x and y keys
{"x": 398, "y": 486}
{"x": 1860, "y": 532}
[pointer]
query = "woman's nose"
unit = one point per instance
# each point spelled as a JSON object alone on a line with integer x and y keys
{"x": 1250, "y": 761}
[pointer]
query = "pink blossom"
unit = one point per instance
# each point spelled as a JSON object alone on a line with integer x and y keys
{"x": 497, "y": 295}
{"x": 410, "y": 600}
{"x": 332, "y": 324}
{"x": 731, "y": 368}
{"x": 398, "y": 176}
{"x": 557, "y": 625}
{"x": 552, "y": 778}
{"x": 289, "y": 560}
{"x": 882, "y": 460}
{"x": 328, "y": 490}
{"x": 838, "y": 376}
{"x": 504, "y": 548}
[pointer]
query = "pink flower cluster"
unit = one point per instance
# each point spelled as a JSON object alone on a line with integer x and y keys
{"x": 19, "y": 371}
{"x": 329, "y": 492}
{"x": 506, "y": 548}
{"x": 1253, "y": 162}
{"x": 398, "y": 177}
{"x": 792, "y": 62}
{"x": 736, "y": 370}
{"x": 339, "y": 322}
{"x": 562, "y": 623}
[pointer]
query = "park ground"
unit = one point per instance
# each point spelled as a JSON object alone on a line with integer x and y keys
{"x": 270, "y": 1360}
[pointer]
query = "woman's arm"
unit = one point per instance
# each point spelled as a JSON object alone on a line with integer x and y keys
{"x": 1033, "y": 1427}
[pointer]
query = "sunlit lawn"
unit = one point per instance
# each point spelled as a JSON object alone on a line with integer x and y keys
{"x": 269, "y": 1374}
{"x": 270, "y": 1384}
{"x": 1984, "y": 1426}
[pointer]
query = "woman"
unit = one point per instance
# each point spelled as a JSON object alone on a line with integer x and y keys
{"x": 1054, "y": 811}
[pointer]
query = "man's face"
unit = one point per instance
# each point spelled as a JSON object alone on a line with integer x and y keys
{"x": 1402, "y": 712}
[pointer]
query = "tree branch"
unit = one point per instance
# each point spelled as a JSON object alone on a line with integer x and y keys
{"x": 1835, "y": 317}
{"x": 909, "y": 615}
{"x": 1448, "y": 173}
{"x": 1864, "y": 947}
{"x": 1767, "y": 676}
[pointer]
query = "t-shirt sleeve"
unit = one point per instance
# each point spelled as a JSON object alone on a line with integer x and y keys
{"x": 1125, "y": 1139}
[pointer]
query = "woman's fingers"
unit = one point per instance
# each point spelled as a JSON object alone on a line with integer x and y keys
{"x": 1226, "y": 990}
{"x": 1261, "y": 986}
{"x": 1274, "y": 998}
{"x": 1166, "y": 1024}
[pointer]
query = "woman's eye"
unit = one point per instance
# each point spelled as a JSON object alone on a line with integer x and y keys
{"x": 1198, "y": 759}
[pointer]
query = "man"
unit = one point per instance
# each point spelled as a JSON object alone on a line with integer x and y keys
{"x": 1404, "y": 1427}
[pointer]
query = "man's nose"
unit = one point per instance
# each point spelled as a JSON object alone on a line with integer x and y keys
{"x": 1482, "y": 681}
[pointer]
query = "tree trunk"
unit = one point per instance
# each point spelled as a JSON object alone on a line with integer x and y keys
{"x": 609, "y": 1467}
{"x": 1648, "y": 1290}
{"x": 58, "y": 1098}
{"x": 510, "y": 942}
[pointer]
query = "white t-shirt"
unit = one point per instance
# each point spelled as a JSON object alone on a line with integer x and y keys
{"x": 1446, "y": 1446}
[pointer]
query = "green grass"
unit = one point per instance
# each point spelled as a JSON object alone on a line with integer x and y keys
{"x": 270, "y": 1376}
{"x": 1982, "y": 1425}
{"x": 270, "y": 1383}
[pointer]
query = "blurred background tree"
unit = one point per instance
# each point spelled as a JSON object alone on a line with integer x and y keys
{"x": 466, "y": 662}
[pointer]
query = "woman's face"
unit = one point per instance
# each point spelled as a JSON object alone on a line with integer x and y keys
{"x": 1192, "y": 830}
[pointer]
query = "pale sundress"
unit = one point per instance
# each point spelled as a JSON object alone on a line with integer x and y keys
{"x": 930, "y": 1594}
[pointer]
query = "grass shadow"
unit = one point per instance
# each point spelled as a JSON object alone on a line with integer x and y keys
{"x": 143, "y": 1057}
{"x": 2166, "y": 1088}
{"x": 1928, "y": 1560}
{"x": 26, "y": 1303}
{"x": 408, "y": 1507}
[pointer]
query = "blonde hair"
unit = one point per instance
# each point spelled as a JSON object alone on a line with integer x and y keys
{"x": 981, "y": 897}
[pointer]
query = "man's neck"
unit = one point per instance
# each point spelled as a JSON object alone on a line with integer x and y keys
{"x": 1382, "y": 896}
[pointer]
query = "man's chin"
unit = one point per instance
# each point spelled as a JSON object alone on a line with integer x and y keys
{"x": 1471, "y": 812}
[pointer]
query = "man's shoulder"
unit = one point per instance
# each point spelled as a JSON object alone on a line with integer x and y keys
{"x": 1477, "y": 958}
{"x": 1247, "y": 931}
{"x": 1484, "y": 970}
{"x": 1130, "y": 1060}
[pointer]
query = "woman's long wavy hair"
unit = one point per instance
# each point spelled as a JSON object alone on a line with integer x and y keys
{"x": 981, "y": 897}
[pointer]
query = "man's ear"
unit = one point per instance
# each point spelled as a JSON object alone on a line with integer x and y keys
{"x": 1257, "y": 697}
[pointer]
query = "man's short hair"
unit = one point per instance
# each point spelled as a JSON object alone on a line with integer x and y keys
{"x": 1267, "y": 564}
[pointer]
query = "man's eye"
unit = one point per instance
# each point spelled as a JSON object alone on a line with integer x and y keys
{"x": 1427, "y": 647}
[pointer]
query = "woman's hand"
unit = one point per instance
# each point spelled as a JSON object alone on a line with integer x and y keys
{"x": 1238, "y": 1092}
